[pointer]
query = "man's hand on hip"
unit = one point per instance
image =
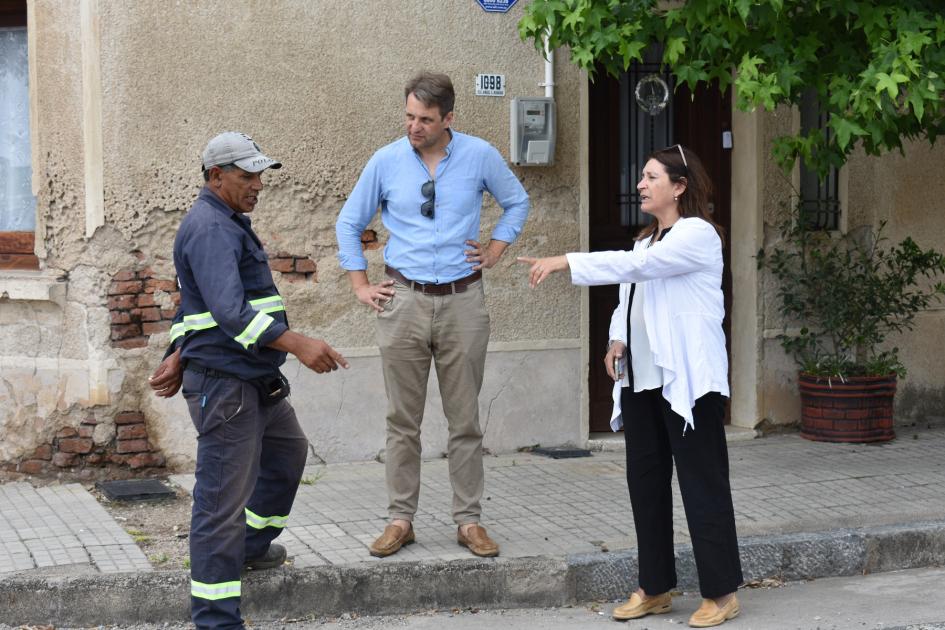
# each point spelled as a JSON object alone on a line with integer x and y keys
{"x": 375, "y": 295}
{"x": 485, "y": 257}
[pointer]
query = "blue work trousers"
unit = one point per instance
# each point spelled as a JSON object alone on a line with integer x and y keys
{"x": 250, "y": 460}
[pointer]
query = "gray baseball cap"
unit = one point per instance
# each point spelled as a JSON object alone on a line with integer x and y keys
{"x": 232, "y": 147}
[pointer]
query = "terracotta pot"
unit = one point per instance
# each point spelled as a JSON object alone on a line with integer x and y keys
{"x": 857, "y": 409}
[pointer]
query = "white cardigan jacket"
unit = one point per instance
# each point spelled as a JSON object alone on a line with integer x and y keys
{"x": 683, "y": 308}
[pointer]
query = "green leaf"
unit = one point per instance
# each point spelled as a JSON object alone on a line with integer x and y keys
{"x": 630, "y": 51}
{"x": 845, "y": 129}
{"x": 888, "y": 83}
{"x": 918, "y": 105}
{"x": 583, "y": 57}
{"x": 744, "y": 8}
{"x": 572, "y": 19}
{"x": 675, "y": 47}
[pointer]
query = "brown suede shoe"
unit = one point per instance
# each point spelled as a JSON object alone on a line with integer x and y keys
{"x": 710, "y": 614}
{"x": 478, "y": 541}
{"x": 390, "y": 542}
{"x": 637, "y": 607}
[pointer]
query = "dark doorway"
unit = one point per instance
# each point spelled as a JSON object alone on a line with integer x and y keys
{"x": 621, "y": 135}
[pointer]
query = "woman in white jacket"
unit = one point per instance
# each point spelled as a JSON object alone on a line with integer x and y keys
{"x": 670, "y": 388}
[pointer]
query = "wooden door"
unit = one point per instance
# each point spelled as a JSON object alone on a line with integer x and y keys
{"x": 621, "y": 135}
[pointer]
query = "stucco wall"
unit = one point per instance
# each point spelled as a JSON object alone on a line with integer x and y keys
{"x": 908, "y": 192}
{"x": 319, "y": 86}
{"x": 54, "y": 361}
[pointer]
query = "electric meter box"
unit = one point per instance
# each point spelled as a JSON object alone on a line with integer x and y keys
{"x": 532, "y": 131}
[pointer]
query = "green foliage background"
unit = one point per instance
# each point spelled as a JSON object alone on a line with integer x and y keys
{"x": 878, "y": 66}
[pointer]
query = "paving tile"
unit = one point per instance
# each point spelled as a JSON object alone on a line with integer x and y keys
{"x": 533, "y": 506}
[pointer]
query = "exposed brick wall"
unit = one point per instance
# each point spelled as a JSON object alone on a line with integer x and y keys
{"x": 135, "y": 315}
{"x": 369, "y": 240}
{"x": 294, "y": 268}
{"x": 75, "y": 449}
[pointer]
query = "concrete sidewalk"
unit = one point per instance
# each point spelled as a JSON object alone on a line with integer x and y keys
{"x": 803, "y": 510}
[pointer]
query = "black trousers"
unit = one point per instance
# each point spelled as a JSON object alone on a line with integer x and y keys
{"x": 654, "y": 438}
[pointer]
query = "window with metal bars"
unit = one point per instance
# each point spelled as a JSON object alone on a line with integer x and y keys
{"x": 819, "y": 197}
{"x": 641, "y": 133}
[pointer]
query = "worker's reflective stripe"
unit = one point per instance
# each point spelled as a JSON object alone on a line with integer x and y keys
{"x": 269, "y": 304}
{"x": 200, "y": 321}
{"x": 250, "y": 334}
{"x": 203, "y": 321}
{"x": 221, "y": 590}
{"x": 261, "y": 522}
{"x": 178, "y": 330}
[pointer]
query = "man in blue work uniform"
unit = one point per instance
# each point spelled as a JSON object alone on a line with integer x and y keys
{"x": 231, "y": 339}
{"x": 429, "y": 186}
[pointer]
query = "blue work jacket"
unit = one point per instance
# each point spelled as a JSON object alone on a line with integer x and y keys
{"x": 230, "y": 309}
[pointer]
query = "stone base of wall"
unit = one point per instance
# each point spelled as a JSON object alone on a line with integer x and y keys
{"x": 74, "y": 451}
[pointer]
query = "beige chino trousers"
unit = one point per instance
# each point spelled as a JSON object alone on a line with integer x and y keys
{"x": 453, "y": 331}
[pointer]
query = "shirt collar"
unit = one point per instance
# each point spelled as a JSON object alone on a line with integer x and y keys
{"x": 452, "y": 142}
{"x": 208, "y": 195}
{"x": 449, "y": 147}
{"x": 214, "y": 200}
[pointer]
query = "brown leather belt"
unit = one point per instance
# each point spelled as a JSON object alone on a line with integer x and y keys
{"x": 447, "y": 288}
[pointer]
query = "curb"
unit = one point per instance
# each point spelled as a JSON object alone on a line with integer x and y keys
{"x": 382, "y": 588}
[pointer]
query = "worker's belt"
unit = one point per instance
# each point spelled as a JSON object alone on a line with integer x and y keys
{"x": 199, "y": 369}
{"x": 447, "y": 288}
{"x": 272, "y": 388}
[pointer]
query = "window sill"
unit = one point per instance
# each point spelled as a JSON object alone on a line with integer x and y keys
{"x": 45, "y": 286}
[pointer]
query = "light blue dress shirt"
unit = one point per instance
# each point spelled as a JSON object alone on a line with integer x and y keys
{"x": 424, "y": 249}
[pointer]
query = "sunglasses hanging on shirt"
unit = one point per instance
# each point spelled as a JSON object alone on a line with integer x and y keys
{"x": 428, "y": 190}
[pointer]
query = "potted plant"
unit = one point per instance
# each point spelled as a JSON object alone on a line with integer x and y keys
{"x": 845, "y": 294}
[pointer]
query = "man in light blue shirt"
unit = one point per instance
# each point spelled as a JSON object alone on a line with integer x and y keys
{"x": 429, "y": 187}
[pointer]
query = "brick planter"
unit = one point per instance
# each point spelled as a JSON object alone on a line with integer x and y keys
{"x": 857, "y": 409}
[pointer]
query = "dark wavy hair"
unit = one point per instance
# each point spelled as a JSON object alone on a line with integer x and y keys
{"x": 431, "y": 88}
{"x": 694, "y": 202}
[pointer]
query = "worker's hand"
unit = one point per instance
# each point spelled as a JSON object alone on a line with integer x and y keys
{"x": 375, "y": 295}
{"x": 616, "y": 351}
{"x": 317, "y": 355}
{"x": 168, "y": 376}
{"x": 541, "y": 268}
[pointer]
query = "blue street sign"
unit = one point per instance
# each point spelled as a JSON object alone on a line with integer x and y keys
{"x": 496, "y": 6}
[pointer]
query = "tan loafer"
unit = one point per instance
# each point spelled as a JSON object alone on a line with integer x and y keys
{"x": 478, "y": 541}
{"x": 637, "y": 607}
{"x": 390, "y": 542}
{"x": 710, "y": 614}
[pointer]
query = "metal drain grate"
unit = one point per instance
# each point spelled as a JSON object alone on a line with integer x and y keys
{"x": 562, "y": 452}
{"x": 135, "y": 490}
